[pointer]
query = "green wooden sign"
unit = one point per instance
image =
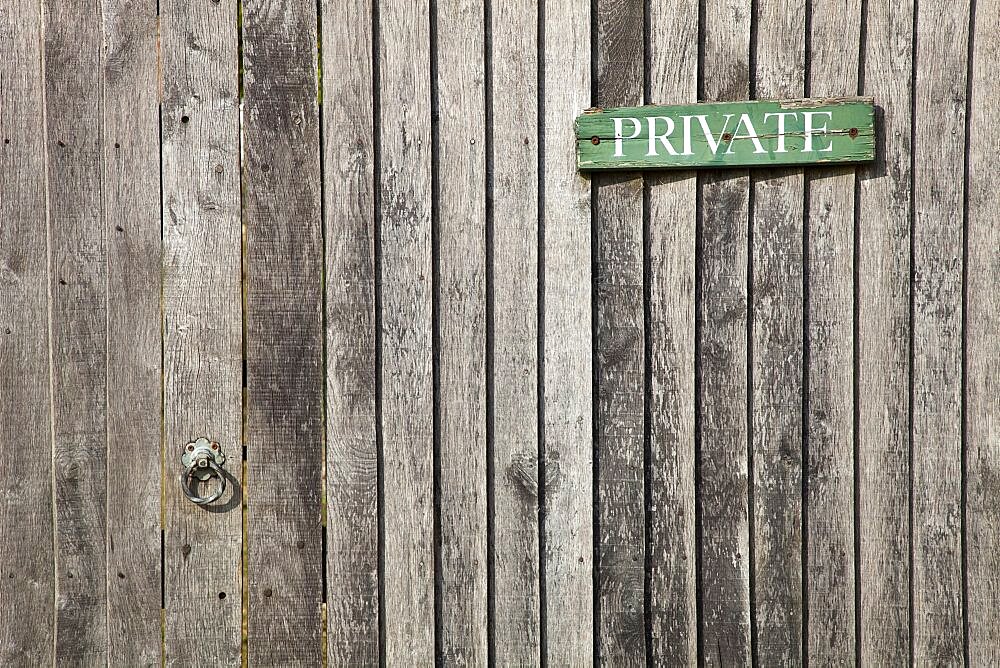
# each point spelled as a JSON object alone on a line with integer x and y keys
{"x": 728, "y": 134}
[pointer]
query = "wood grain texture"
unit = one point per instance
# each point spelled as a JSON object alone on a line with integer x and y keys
{"x": 74, "y": 87}
{"x": 27, "y": 585}
{"x": 460, "y": 292}
{"x": 567, "y": 321}
{"x": 723, "y": 465}
{"x": 284, "y": 331}
{"x": 938, "y": 190}
{"x": 982, "y": 417}
{"x": 672, "y": 201}
{"x": 833, "y": 69}
{"x": 777, "y": 370}
{"x": 620, "y": 356}
{"x": 202, "y": 324}
{"x": 131, "y": 164}
{"x": 407, "y": 336}
{"x": 514, "y": 186}
{"x": 884, "y": 342}
{"x": 351, "y": 445}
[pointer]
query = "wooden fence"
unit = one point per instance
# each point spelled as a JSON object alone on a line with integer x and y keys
{"x": 478, "y": 408}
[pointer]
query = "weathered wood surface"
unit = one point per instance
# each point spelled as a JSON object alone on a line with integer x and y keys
{"x": 776, "y": 374}
{"x": 460, "y": 298}
{"x": 829, "y": 510}
{"x": 352, "y": 548}
{"x": 202, "y": 325}
{"x": 427, "y": 198}
{"x": 722, "y": 476}
{"x": 513, "y": 184}
{"x": 883, "y": 354}
{"x": 78, "y": 313}
{"x": 936, "y": 542}
{"x": 670, "y": 256}
{"x": 620, "y": 356}
{"x": 405, "y": 273}
{"x": 27, "y": 585}
{"x": 131, "y": 187}
{"x": 567, "y": 379}
{"x": 283, "y": 331}
{"x": 982, "y": 365}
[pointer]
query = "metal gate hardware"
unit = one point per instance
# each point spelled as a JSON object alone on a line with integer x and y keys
{"x": 202, "y": 458}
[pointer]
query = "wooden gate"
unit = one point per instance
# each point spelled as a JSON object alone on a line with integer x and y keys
{"x": 475, "y": 406}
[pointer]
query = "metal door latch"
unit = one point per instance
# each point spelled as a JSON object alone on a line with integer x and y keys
{"x": 201, "y": 459}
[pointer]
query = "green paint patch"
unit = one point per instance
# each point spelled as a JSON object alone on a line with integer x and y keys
{"x": 716, "y": 135}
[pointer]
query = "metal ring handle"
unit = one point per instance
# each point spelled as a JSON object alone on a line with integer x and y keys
{"x": 203, "y": 500}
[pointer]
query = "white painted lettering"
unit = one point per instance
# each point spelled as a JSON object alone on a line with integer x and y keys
{"x": 781, "y": 115}
{"x": 713, "y": 141}
{"x": 751, "y": 134}
{"x": 636, "y": 129}
{"x": 653, "y": 137}
{"x": 687, "y": 135}
{"x": 811, "y": 130}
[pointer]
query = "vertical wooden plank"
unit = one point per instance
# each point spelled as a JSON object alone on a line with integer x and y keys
{"x": 567, "y": 321}
{"x": 406, "y": 336}
{"x": 131, "y": 163}
{"x": 982, "y": 418}
{"x": 74, "y": 90}
{"x": 351, "y": 446}
{"x": 777, "y": 373}
{"x": 884, "y": 341}
{"x": 723, "y": 465}
{"x": 202, "y": 324}
{"x": 620, "y": 349}
{"x": 461, "y": 337}
{"x": 27, "y": 586}
{"x": 284, "y": 340}
{"x": 514, "y": 57}
{"x": 833, "y": 70}
{"x": 938, "y": 190}
{"x": 672, "y": 201}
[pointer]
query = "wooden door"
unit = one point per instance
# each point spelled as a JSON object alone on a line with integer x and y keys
{"x": 478, "y": 408}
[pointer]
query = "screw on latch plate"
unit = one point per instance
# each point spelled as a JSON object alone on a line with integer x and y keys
{"x": 202, "y": 459}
